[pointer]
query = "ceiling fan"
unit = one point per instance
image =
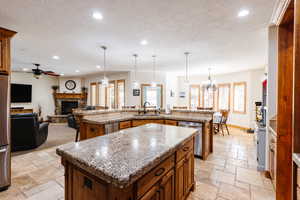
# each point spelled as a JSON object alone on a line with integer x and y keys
{"x": 37, "y": 72}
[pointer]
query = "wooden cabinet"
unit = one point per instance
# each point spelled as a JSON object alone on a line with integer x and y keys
{"x": 152, "y": 194}
{"x": 5, "y": 36}
{"x": 171, "y": 179}
{"x": 171, "y": 122}
{"x": 167, "y": 187}
{"x": 184, "y": 171}
{"x": 148, "y": 121}
{"x": 91, "y": 130}
{"x": 125, "y": 124}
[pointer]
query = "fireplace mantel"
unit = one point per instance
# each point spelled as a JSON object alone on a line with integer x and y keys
{"x": 69, "y": 96}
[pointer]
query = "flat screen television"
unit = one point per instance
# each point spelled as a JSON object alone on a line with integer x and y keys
{"x": 21, "y": 93}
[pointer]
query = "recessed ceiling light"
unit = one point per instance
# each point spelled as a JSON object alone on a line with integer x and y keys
{"x": 55, "y": 57}
{"x": 77, "y": 71}
{"x": 25, "y": 69}
{"x": 98, "y": 67}
{"x": 243, "y": 13}
{"x": 97, "y": 15}
{"x": 144, "y": 42}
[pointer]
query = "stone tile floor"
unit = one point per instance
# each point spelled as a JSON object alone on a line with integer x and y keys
{"x": 228, "y": 174}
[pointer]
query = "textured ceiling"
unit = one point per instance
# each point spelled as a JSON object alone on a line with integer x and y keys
{"x": 209, "y": 29}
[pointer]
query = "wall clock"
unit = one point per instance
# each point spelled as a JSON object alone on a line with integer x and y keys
{"x": 70, "y": 84}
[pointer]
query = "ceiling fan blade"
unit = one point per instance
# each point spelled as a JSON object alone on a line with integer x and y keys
{"x": 50, "y": 73}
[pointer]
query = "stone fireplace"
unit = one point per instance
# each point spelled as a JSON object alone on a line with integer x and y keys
{"x": 64, "y": 103}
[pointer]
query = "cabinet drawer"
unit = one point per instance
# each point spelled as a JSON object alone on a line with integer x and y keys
{"x": 147, "y": 181}
{"x": 125, "y": 124}
{"x": 182, "y": 151}
{"x": 171, "y": 122}
{"x": 94, "y": 130}
{"x": 143, "y": 122}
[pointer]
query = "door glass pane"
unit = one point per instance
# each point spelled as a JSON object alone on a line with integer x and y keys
{"x": 121, "y": 94}
{"x": 195, "y": 96}
{"x": 101, "y": 95}
{"x": 208, "y": 98}
{"x": 111, "y": 96}
{"x": 223, "y": 97}
{"x": 93, "y": 94}
{"x": 239, "y": 97}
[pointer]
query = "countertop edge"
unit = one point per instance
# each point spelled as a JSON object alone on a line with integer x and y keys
{"x": 296, "y": 158}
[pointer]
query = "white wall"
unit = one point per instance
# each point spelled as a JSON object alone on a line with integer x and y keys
{"x": 62, "y": 87}
{"x": 41, "y": 92}
{"x": 253, "y": 79}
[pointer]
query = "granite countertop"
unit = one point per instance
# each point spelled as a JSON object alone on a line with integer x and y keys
{"x": 117, "y": 117}
{"x": 123, "y": 157}
{"x": 95, "y": 112}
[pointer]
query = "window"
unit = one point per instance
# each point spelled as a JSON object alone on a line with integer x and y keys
{"x": 239, "y": 97}
{"x": 93, "y": 94}
{"x": 224, "y": 96}
{"x": 120, "y": 93}
{"x": 194, "y": 96}
{"x": 153, "y": 95}
{"x": 101, "y": 95}
{"x": 208, "y": 98}
{"x": 110, "y": 95}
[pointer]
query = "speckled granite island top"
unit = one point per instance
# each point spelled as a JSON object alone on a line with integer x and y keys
{"x": 117, "y": 117}
{"x": 123, "y": 157}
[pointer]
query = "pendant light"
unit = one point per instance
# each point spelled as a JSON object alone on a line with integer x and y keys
{"x": 153, "y": 83}
{"x": 135, "y": 83}
{"x": 209, "y": 84}
{"x": 186, "y": 67}
{"x": 104, "y": 81}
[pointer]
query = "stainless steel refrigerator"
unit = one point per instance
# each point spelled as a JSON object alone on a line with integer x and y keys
{"x": 4, "y": 132}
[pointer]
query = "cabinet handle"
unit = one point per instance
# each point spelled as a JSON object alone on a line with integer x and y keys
{"x": 160, "y": 172}
{"x": 186, "y": 148}
{"x": 88, "y": 183}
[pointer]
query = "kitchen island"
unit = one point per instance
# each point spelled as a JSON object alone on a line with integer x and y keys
{"x": 101, "y": 124}
{"x": 143, "y": 163}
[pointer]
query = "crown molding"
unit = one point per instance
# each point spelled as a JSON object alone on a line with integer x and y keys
{"x": 278, "y": 11}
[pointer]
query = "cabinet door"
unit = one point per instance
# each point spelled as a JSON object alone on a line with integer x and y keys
{"x": 167, "y": 186}
{"x": 179, "y": 173}
{"x": 4, "y": 55}
{"x": 152, "y": 194}
{"x": 94, "y": 131}
{"x": 188, "y": 172}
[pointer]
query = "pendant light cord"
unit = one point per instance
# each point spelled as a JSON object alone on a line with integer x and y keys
{"x": 135, "y": 65}
{"x": 186, "y": 65}
{"x": 154, "y": 66}
{"x": 104, "y": 61}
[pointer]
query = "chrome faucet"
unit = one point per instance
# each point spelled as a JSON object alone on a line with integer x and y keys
{"x": 144, "y": 106}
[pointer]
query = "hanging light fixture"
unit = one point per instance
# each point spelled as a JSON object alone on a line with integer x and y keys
{"x": 135, "y": 83}
{"x": 153, "y": 83}
{"x": 209, "y": 84}
{"x": 104, "y": 81}
{"x": 186, "y": 80}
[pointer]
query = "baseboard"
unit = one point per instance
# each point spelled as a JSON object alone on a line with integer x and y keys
{"x": 239, "y": 127}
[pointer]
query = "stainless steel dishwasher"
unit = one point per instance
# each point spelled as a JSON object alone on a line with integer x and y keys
{"x": 198, "y": 136}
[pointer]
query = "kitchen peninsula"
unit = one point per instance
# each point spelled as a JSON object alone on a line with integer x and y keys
{"x": 98, "y": 123}
{"x": 143, "y": 163}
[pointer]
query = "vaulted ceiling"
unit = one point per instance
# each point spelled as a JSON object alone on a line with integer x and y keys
{"x": 210, "y": 29}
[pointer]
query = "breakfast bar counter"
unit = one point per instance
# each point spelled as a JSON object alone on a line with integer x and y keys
{"x": 147, "y": 162}
{"x": 98, "y": 125}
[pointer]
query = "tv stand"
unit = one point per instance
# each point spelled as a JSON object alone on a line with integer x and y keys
{"x": 15, "y": 110}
